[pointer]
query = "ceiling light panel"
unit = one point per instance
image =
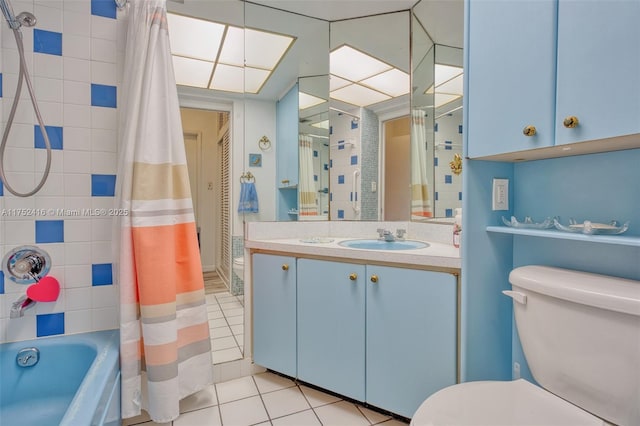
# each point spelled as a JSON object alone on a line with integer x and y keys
{"x": 254, "y": 79}
{"x": 445, "y": 73}
{"x": 393, "y": 82}
{"x": 359, "y": 95}
{"x": 228, "y": 78}
{"x": 192, "y": 72}
{"x": 351, "y": 64}
{"x": 444, "y": 98}
{"x": 336, "y": 82}
{"x": 306, "y": 100}
{"x": 322, "y": 124}
{"x": 194, "y": 38}
{"x": 265, "y": 50}
{"x": 233, "y": 47}
{"x": 453, "y": 86}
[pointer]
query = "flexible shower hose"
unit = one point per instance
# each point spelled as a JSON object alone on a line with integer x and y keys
{"x": 24, "y": 75}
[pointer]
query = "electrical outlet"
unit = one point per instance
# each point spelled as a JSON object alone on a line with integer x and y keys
{"x": 500, "y": 196}
{"x": 374, "y": 186}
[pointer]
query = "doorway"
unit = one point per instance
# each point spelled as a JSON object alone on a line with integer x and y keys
{"x": 397, "y": 174}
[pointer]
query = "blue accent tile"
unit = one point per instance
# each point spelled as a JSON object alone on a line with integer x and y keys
{"x": 459, "y": 196}
{"x": 356, "y": 196}
{"x": 330, "y": 163}
{"x": 1, "y": 189}
{"x": 1, "y": 282}
{"x": 49, "y": 231}
{"x": 340, "y": 144}
{"x": 315, "y": 178}
{"x": 354, "y": 124}
{"x": 340, "y": 214}
{"x": 351, "y": 196}
{"x": 48, "y": 42}
{"x": 331, "y": 196}
{"x": 101, "y": 274}
{"x": 448, "y": 179}
{"x": 460, "y": 128}
{"x": 435, "y": 161}
{"x": 54, "y": 133}
{"x": 330, "y": 130}
{"x": 0, "y": 84}
{"x": 103, "y": 185}
{"x": 326, "y": 167}
{"x": 448, "y": 212}
{"x": 105, "y": 8}
{"x": 315, "y": 153}
{"x": 448, "y": 145}
{"x": 341, "y": 179}
{"x": 354, "y": 160}
{"x": 436, "y": 196}
{"x": 103, "y": 95}
{"x": 49, "y": 324}
{"x": 435, "y": 127}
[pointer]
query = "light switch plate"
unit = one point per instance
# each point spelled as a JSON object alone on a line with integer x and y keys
{"x": 500, "y": 194}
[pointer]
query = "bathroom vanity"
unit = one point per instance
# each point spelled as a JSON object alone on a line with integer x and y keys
{"x": 376, "y": 326}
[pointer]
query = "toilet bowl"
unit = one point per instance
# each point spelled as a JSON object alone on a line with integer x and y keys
{"x": 494, "y": 403}
{"x": 238, "y": 266}
{"x": 579, "y": 333}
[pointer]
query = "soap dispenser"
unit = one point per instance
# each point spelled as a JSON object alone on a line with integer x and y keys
{"x": 457, "y": 228}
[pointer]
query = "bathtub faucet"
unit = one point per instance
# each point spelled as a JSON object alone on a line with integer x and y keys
{"x": 19, "y": 306}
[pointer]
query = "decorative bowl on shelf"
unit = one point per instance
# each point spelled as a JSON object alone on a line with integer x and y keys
{"x": 592, "y": 228}
{"x": 528, "y": 223}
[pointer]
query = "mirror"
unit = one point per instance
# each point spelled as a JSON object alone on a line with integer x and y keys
{"x": 369, "y": 86}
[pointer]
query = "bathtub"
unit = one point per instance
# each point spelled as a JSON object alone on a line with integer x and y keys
{"x": 76, "y": 382}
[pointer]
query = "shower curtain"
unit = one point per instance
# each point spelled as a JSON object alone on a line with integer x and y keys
{"x": 420, "y": 202}
{"x": 306, "y": 188}
{"x": 165, "y": 351}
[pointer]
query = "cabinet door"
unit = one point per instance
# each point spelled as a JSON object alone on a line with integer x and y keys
{"x": 331, "y": 315}
{"x": 511, "y": 72}
{"x": 411, "y": 337}
{"x": 274, "y": 312}
{"x": 598, "y": 69}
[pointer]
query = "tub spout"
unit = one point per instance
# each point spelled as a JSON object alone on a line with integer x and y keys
{"x": 19, "y": 306}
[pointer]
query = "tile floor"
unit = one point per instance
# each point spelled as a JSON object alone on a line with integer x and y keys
{"x": 226, "y": 326}
{"x": 268, "y": 399}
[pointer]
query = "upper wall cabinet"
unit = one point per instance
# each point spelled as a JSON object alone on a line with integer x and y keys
{"x": 546, "y": 73}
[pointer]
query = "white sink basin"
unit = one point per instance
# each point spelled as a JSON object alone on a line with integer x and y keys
{"x": 371, "y": 244}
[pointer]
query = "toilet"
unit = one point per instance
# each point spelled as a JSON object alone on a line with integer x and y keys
{"x": 580, "y": 334}
{"x": 238, "y": 266}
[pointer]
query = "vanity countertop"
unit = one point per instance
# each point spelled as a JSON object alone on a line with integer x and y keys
{"x": 437, "y": 255}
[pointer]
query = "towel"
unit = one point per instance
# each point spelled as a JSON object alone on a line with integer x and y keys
{"x": 248, "y": 198}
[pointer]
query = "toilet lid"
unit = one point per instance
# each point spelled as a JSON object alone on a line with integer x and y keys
{"x": 494, "y": 403}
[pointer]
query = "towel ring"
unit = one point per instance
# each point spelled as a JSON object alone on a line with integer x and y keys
{"x": 264, "y": 143}
{"x": 247, "y": 177}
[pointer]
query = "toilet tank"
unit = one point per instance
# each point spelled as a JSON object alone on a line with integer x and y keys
{"x": 580, "y": 333}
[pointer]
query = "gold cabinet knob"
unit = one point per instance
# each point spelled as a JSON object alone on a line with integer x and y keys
{"x": 529, "y": 130}
{"x": 353, "y": 276}
{"x": 374, "y": 278}
{"x": 285, "y": 267}
{"x": 571, "y": 122}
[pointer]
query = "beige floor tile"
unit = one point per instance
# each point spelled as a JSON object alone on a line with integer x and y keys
{"x": 285, "y": 401}
{"x": 269, "y": 382}
{"x": 202, "y": 399}
{"x": 226, "y": 355}
{"x": 244, "y": 412}
{"x": 373, "y": 416}
{"x": 233, "y": 390}
{"x": 317, "y": 398}
{"x": 340, "y": 414}
{"x": 304, "y": 418}
{"x": 204, "y": 417}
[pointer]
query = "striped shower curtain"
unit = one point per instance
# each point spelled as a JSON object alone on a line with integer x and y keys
{"x": 165, "y": 349}
{"x": 420, "y": 201}
{"x": 307, "y": 190}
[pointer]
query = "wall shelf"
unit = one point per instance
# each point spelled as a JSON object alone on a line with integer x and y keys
{"x": 289, "y": 187}
{"x": 550, "y": 233}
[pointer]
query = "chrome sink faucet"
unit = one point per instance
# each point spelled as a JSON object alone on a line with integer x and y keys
{"x": 385, "y": 235}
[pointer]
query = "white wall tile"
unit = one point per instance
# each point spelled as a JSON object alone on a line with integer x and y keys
{"x": 49, "y": 17}
{"x": 104, "y": 28}
{"x": 77, "y": 230}
{"x": 78, "y": 298}
{"x": 77, "y": 116}
{"x": 82, "y": 6}
{"x": 77, "y": 184}
{"x": 11, "y": 61}
{"x": 40, "y": 156}
{"x": 79, "y": 204}
{"x": 105, "y": 318}
{"x": 76, "y": 92}
{"x": 77, "y": 138}
{"x": 47, "y": 65}
{"x": 19, "y": 159}
{"x": 104, "y": 73}
{"x": 101, "y": 229}
{"x": 24, "y": 113}
{"x": 77, "y": 321}
{"x": 51, "y": 112}
{"x": 56, "y": 306}
{"x": 104, "y": 162}
{"x": 21, "y": 136}
{"x": 77, "y": 253}
{"x": 104, "y": 140}
{"x": 57, "y": 4}
{"x": 77, "y": 69}
{"x": 104, "y": 296}
{"x": 77, "y": 276}
{"x": 77, "y": 162}
{"x": 76, "y": 23}
{"x": 48, "y": 90}
{"x": 102, "y": 203}
{"x": 13, "y": 202}
{"x": 103, "y": 50}
{"x": 22, "y": 328}
{"x": 101, "y": 252}
{"x": 104, "y": 118}
{"x": 75, "y": 46}
{"x": 54, "y": 186}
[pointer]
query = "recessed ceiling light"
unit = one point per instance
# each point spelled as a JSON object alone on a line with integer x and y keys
{"x": 306, "y": 100}
{"x": 192, "y": 72}
{"x": 194, "y": 38}
{"x": 393, "y": 82}
{"x": 445, "y": 73}
{"x": 354, "y": 65}
{"x": 358, "y": 95}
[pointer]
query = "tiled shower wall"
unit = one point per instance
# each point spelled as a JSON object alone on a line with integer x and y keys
{"x": 345, "y": 158}
{"x": 74, "y": 55}
{"x": 448, "y": 140}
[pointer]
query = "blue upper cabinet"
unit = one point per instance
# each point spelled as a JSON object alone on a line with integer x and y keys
{"x": 598, "y": 69}
{"x": 533, "y": 64}
{"x": 511, "y": 71}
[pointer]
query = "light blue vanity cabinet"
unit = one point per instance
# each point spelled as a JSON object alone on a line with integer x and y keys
{"x": 533, "y": 64}
{"x": 411, "y": 336}
{"x": 274, "y": 312}
{"x": 331, "y": 326}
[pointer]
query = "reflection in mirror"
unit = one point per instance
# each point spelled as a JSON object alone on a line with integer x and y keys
{"x": 369, "y": 84}
{"x": 313, "y": 150}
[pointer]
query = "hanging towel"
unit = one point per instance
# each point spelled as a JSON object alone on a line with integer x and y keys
{"x": 248, "y": 198}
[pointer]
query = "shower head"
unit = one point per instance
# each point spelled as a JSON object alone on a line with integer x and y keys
{"x": 15, "y": 22}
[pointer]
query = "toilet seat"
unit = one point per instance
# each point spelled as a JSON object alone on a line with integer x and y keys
{"x": 495, "y": 403}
